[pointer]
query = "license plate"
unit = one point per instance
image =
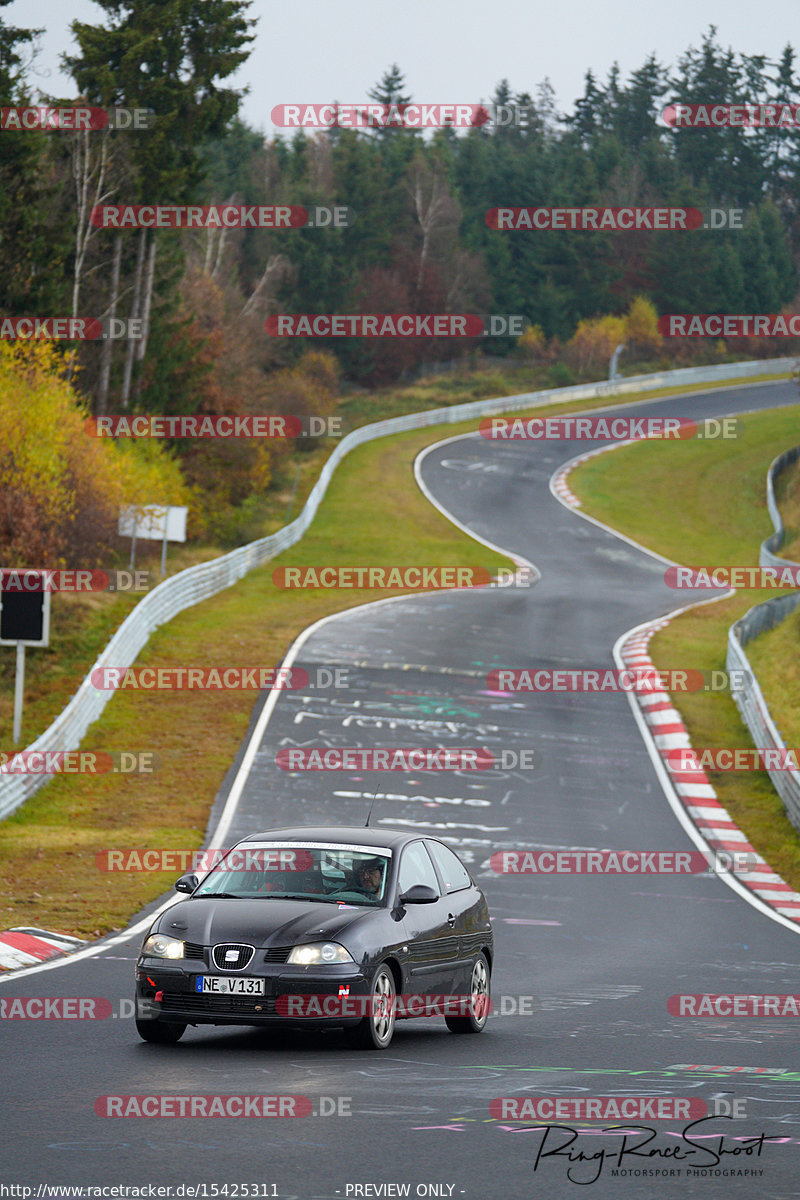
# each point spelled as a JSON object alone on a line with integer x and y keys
{"x": 222, "y": 985}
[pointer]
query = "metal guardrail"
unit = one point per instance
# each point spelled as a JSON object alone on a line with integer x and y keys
{"x": 200, "y": 582}
{"x": 750, "y": 699}
{"x": 769, "y": 548}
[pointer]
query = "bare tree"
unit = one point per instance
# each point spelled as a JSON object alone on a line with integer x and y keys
{"x": 105, "y": 353}
{"x": 89, "y": 173}
{"x": 134, "y": 314}
{"x": 436, "y": 211}
{"x": 275, "y": 270}
{"x": 141, "y": 343}
{"x": 216, "y": 241}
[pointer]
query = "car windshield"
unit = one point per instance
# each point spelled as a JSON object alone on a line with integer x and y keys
{"x": 321, "y": 871}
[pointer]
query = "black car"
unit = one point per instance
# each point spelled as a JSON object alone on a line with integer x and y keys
{"x": 330, "y": 926}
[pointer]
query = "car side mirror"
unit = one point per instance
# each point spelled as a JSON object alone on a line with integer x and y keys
{"x": 186, "y": 883}
{"x": 420, "y": 893}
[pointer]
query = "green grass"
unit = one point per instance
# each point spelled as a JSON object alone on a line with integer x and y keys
{"x": 704, "y": 501}
{"x": 775, "y": 657}
{"x": 704, "y": 504}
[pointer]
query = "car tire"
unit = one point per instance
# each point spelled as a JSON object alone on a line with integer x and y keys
{"x": 375, "y": 1031}
{"x": 163, "y": 1032}
{"x": 480, "y": 985}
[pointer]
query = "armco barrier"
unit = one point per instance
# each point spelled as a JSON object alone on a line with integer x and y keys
{"x": 769, "y": 548}
{"x": 750, "y": 699}
{"x": 206, "y": 579}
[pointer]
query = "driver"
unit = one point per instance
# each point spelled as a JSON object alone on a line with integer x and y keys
{"x": 370, "y": 877}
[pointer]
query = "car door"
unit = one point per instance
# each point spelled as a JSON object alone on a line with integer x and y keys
{"x": 431, "y": 942}
{"x": 459, "y": 895}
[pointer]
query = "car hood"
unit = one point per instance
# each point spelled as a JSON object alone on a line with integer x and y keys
{"x": 258, "y": 922}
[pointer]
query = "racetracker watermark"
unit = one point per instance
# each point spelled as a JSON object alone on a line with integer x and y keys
{"x": 361, "y": 115}
{"x": 731, "y": 1005}
{"x": 64, "y": 1008}
{"x": 729, "y": 325}
{"x": 724, "y": 116}
{"x": 727, "y": 758}
{"x": 398, "y": 578}
{"x": 620, "y": 862}
{"x": 76, "y": 118}
{"x": 79, "y": 762}
{"x": 614, "y": 219}
{"x": 414, "y": 116}
{"x": 597, "y": 1108}
{"x": 400, "y": 758}
{"x": 409, "y": 759}
{"x": 71, "y": 329}
{"x": 42, "y": 580}
{"x": 402, "y": 325}
{"x": 239, "y": 858}
{"x": 645, "y": 680}
{"x": 220, "y": 216}
{"x": 787, "y": 576}
{"x": 216, "y": 679}
{"x": 203, "y": 1106}
{"x": 260, "y": 425}
{"x": 564, "y": 429}
{"x": 343, "y": 1005}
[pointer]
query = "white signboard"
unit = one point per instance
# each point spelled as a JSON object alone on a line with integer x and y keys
{"x": 153, "y": 522}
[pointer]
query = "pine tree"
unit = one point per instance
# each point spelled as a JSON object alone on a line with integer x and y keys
{"x": 761, "y": 289}
{"x": 389, "y": 91}
{"x": 33, "y": 242}
{"x": 587, "y": 119}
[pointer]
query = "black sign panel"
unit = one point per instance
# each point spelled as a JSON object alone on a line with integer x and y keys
{"x": 22, "y": 616}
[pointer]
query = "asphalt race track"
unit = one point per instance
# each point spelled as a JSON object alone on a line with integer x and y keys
{"x": 585, "y": 964}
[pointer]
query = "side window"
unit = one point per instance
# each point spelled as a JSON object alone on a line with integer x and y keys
{"x": 451, "y": 869}
{"x": 415, "y": 867}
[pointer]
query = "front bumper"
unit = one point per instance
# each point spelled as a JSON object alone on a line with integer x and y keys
{"x": 168, "y": 992}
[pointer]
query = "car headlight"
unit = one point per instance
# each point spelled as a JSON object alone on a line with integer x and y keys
{"x": 319, "y": 953}
{"x": 161, "y": 946}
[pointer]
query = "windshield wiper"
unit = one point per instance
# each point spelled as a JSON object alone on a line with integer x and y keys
{"x": 285, "y": 896}
{"x": 268, "y": 896}
{"x": 298, "y": 896}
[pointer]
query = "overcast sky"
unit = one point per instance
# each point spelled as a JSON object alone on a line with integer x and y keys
{"x": 449, "y": 50}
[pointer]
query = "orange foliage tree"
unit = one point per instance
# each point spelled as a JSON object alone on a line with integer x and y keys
{"x": 61, "y": 488}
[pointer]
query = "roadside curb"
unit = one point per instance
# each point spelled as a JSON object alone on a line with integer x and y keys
{"x": 24, "y": 946}
{"x": 695, "y": 791}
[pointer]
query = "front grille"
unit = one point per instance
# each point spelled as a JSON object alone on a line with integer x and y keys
{"x": 193, "y": 950}
{"x": 190, "y": 1002}
{"x": 277, "y": 954}
{"x": 222, "y": 961}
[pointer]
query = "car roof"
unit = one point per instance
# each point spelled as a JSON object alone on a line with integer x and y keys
{"x": 361, "y": 835}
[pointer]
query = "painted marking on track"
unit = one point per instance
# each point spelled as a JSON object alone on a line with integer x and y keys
{"x": 527, "y": 921}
